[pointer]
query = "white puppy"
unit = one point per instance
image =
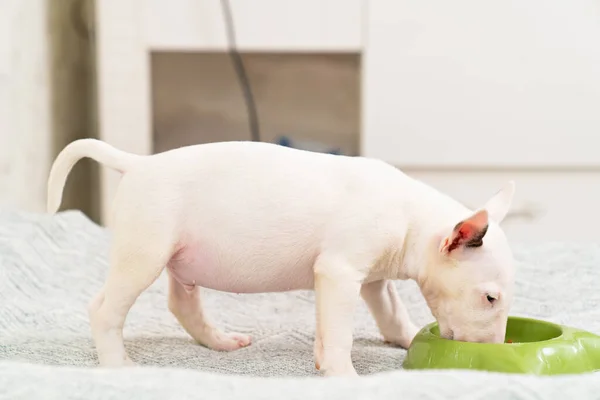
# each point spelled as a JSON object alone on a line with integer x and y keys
{"x": 253, "y": 217}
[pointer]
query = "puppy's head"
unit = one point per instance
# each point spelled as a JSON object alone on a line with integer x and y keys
{"x": 469, "y": 277}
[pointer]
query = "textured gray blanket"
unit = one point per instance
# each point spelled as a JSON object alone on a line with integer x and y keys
{"x": 50, "y": 267}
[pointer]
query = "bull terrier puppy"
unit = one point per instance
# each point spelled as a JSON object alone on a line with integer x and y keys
{"x": 250, "y": 217}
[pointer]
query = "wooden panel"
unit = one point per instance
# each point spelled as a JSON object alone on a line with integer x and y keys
{"x": 261, "y": 25}
{"x": 468, "y": 82}
{"x": 197, "y": 98}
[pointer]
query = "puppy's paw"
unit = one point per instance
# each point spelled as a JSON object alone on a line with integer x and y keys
{"x": 128, "y": 362}
{"x": 341, "y": 371}
{"x": 115, "y": 360}
{"x": 402, "y": 337}
{"x": 222, "y": 341}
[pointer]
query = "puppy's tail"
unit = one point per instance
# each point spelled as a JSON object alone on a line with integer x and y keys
{"x": 95, "y": 149}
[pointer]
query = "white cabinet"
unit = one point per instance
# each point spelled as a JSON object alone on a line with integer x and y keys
{"x": 260, "y": 25}
{"x": 551, "y": 206}
{"x": 480, "y": 83}
{"x": 468, "y": 94}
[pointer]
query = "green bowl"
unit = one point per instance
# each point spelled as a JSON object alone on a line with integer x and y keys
{"x": 538, "y": 347}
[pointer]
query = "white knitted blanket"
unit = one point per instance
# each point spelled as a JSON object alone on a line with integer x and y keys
{"x": 51, "y": 266}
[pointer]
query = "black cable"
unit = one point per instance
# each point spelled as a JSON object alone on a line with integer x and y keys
{"x": 238, "y": 64}
{"x": 78, "y": 14}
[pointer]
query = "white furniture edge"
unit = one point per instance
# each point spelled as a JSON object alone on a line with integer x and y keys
{"x": 260, "y": 25}
{"x": 123, "y": 86}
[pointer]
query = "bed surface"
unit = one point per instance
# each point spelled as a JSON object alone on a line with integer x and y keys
{"x": 51, "y": 266}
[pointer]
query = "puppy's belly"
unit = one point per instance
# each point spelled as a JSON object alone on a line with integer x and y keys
{"x": 241, "y": 271}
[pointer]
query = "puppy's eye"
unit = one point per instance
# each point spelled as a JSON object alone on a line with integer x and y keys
{"x": 491, "y": 299}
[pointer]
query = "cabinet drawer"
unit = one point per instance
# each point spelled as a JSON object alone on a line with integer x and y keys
{"x": 548, "y": 206}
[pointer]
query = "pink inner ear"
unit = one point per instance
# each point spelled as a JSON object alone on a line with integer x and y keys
{"x": 462, "y": 233}
{"x": 457, "y": 239}
{"x": 477, "y": 221}
{"x": 467, "y": 230}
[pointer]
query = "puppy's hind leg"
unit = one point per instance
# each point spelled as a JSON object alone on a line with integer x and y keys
{"x": 137, "y": 259}
{"x": 186, "y": 306}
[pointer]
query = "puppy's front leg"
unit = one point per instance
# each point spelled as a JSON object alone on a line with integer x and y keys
{"x": 389, "y": 312}
{"x": 336, "y": 300}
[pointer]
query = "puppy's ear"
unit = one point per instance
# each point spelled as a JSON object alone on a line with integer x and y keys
{"x": 500, "y": 203}
{"x": 467, "y": 233}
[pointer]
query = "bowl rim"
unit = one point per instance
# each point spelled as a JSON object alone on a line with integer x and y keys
{"x": 426, "y": 333}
